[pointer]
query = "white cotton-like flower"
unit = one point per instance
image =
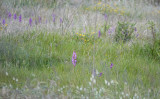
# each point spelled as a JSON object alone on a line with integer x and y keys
{"x": 16, "y": 80}
{"x": 127, "y": 95}
{"x": 112, "y": 81}
{"x": 91, "y": 79}
{"x": 135, "y": 94}
{"x": 122, "y": 93}
{"x": 33, "y": 75}
{"x": 6, "y": 73}
{"x": 125, "y": 83}
{"x": 97, "y": 72}
{"x": 106, "y": 82}
{"x": 90, "y": 83}
{"x": 149, "y": 90}
{"x": 10, "y": 85}
{"x": 94, "y": 81}
{"x": 80, "y": 88}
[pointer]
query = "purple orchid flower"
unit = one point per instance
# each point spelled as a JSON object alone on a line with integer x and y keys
{"x": 20, "y": 18}
{"x": 99, "y": 33}
{"x": 3, "y": 22}
{"x": 30, "y": 21}
{"x": 111, "y": 65}
{"x": 105, "y": 16}
{"x": 74, "y": 57}
{"x": 9, "y": 15}
{"x": 15, "y": 16}
{"x": 100, "y": 74}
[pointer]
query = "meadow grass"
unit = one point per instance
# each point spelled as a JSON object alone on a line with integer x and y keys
{"x": 36, "y": 62}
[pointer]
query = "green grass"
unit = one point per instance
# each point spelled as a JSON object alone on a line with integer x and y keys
{"x": 48, "y": 56}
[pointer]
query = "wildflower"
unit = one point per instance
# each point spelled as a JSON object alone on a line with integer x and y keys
{"x": 112, "y": 81}
{"x": 99, "y": 33}
{"x": 16, "y": 80}
{"x": 137, "y": 35}
{"x": 20, "y": 18}
{"x": 53, "y": 17}
{"x": 135, "y": 29}
{"x": 30, "y": 21}
{"x": 15, "y": 16}
{"x": 9, "y": 15}
{"x": 94, "y": 81}
{"x": 6, "y": 73}
{"x": 105, "y": 16}
{"x": 93, "y": 73}
{"x": 111, "y": 65}
{"x": 111, "y": 30}
{"x": 46, "y": 21}
{"x": 3, "y": 22}
{"x": 100, "y": 74}
{"x": 106, "y": 82}
{"x": 99, "y": 3}
{"x": 40, "y": 19}
{"x": 90, "y": 83}
{"x": 74, "y": 58}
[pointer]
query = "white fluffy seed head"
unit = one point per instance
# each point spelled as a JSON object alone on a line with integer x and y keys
{"x": 6, "y": 73}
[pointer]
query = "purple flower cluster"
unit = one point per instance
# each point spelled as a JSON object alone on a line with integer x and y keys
{"x": 15, "y": 16}
{"x": 105, "y": 16}
{"x": 111, "y": 30}
{"x": 3, "y": 22}
{"x": 9, "y": 15}
{"x": 20, "y": 18}
{"x": 74, "y": 57}
{"x": 54, "y": 17}
{"x": 30, "y": 21}
{"x": 99, "y": 33}
{"x": 111, "y": 65}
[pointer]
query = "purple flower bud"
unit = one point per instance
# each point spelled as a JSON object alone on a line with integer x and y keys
{"x": 15, "y": 16}
{"x": 46, "y": 21}
{"x": 137, "y": 35}
{"x": 9, "y": 15}
{"x": 20, "y": 18}
{"x": 105, "y": 16}
{"x": 84, "y": 30}
{"x": 30, "y": 21}
{"x": 111, "y": 65}
{"x": 74, "y": 56}
{"x": 3, "y": 22}
{"x": 135, "y": 29}
{"x": 99, "y": 33}
{"x": 54, "y": 17}
{"x": 40, "y": 19}
{"x": 100, "y": 74}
